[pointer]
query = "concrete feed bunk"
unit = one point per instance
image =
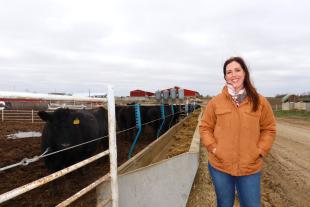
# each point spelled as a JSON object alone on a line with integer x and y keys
{"x": 162, "y": 174}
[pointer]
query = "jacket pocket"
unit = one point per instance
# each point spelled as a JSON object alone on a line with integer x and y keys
{"x": 223, "y": 117}
{"x": 218, "y": 158}
{"x": 251, "y": 120}
{"x": 254, "y": 156}
{"x": 219, "y": 154}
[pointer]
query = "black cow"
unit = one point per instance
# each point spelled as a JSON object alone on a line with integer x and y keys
{"x": 125, "y": 116}
{"x": 154, "y": 113}
{"x": 153, "y": 116}
{"x": 65, "y": 128}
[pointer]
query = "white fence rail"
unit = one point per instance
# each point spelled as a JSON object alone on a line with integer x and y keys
{"x": 112, "y": 151}
{"x": 20, "y": 116}
{"x": 24, "y": 115}
{"x": 37, "y": 183}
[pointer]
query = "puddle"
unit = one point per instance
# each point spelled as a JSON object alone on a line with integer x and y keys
{"x": 20, "y": 135}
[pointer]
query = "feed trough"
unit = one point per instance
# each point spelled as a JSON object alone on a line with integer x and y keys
{"x": 151, "y": 179}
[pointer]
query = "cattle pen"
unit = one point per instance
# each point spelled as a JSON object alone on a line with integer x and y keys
{"x": 151, "y": 160}
{"x": 112, "y": 175}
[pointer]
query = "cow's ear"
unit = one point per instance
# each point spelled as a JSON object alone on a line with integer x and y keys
{"x": 45, "y": 116}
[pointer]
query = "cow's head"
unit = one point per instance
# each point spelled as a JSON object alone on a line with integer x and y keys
{"x": 62, "y": 127}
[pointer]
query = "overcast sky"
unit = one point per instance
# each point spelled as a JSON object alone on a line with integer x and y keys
{"x": 77, "y": 46}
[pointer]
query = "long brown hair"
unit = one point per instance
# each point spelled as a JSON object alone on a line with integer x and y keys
{"x": 251, "y": 91}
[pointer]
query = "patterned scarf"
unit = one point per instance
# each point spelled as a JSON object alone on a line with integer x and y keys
{"x": 237, "y": 97}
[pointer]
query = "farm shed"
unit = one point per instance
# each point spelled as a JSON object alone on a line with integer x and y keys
{"x": 187, "y": 92}
{"x": 140, "y": 93}
{"x": 308, "y": 106}
{"x": 288, "y": 106}
{"x": 288, "y": 102}
{"x": 303, "y": 104}
{"x": 306, "y": 103}
{"x": 291, "y": 101}
{"x": 300, "y": 106}
{"x": 290, "y": 98}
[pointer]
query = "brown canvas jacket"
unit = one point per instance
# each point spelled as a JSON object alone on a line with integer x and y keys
{"x": 239, "y": 135}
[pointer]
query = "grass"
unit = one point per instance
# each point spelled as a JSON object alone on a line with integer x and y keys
{"x": 296, "y": 114}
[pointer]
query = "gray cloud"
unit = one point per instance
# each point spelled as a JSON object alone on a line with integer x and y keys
{"x": 77, "y": 46}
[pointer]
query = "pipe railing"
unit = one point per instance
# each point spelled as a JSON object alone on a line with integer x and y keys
{"x": 20, "y": 115}
{"x": 112, "y": 151}
{"x": 37, "y": 183}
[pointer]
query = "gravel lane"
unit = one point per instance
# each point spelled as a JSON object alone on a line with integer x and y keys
{"x": 285, "y": 174}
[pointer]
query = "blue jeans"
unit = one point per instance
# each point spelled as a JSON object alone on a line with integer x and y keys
{"x": 248, "y": 188}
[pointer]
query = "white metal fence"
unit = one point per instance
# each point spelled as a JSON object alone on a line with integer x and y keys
{"x": 20, "y": 115}
{"x": 112, "y": 151}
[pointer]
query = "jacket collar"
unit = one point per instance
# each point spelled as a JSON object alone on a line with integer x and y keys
{"x": 225, "y": 91}
{"x": 227, "y": 95}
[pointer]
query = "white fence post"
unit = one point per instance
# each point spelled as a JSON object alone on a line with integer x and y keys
{"x": 112, "y": 146}
{"x": 32, "y": 118}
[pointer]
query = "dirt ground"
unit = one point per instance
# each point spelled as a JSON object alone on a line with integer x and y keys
{"x": 285, "y": 174}
{"x": 14, "y": 150}
{"x": 183, "y": 138}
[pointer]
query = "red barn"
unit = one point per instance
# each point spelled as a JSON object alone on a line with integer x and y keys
{"x": 140, "y": 93}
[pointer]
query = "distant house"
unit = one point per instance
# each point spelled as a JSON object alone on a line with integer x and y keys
{"x": 288, "y": 102}
{"x": 140, "y": 93}
{"x": 290, "y": 98}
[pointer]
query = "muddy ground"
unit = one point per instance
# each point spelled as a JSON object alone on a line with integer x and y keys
{"x": 285, "y": 174}
{"x": 13, "y": 151}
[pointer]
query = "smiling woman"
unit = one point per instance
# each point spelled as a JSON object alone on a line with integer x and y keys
{"x": 238, "y": 129}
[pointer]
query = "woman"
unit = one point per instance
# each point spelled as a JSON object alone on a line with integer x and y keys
{"x": 238, "y": 129}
